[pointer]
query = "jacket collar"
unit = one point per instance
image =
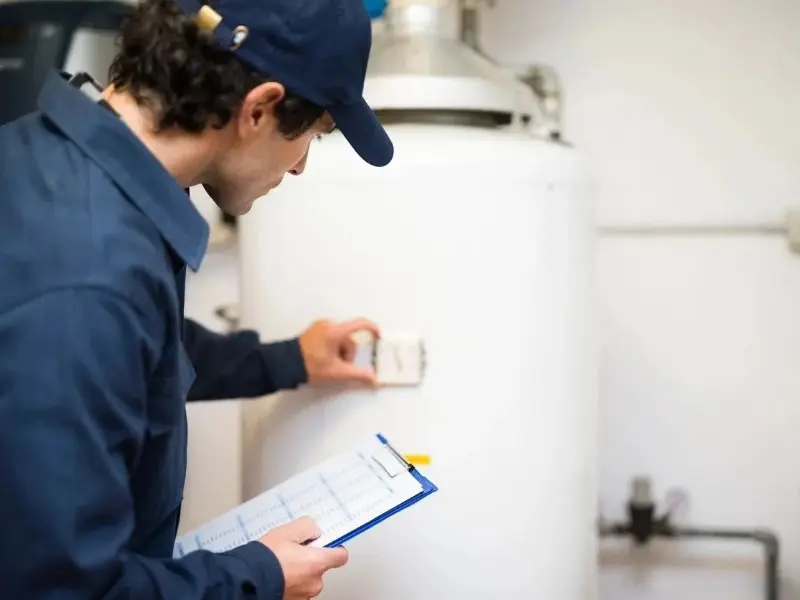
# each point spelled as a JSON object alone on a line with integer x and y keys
{"x": 107, "y": 141}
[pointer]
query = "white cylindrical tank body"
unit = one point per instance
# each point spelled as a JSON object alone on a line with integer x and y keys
{"x": 480, "y": 242}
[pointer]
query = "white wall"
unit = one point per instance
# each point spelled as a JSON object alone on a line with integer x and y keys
{"x": 688, "y": 111}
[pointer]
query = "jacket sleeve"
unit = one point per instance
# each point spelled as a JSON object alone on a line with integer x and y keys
{"x": 73, "y": 418}
{"x": 238, "y": 365}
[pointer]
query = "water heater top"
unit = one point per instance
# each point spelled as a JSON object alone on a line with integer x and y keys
{"x": 415, "y": 66}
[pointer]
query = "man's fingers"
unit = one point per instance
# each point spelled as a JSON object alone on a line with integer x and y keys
{"x": 302, "y": 530}
{"x": 347, "y": 328}
{"x": 349, "y": 371}
{"x": 348, "y": 349}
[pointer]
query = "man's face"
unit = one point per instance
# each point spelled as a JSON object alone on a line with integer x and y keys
{"x": 255, "y": 156}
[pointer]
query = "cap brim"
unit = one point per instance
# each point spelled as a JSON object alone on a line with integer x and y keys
{"x": 362, "y": 130}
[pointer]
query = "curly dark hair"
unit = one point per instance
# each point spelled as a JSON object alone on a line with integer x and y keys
{"x": 175, "y": 69}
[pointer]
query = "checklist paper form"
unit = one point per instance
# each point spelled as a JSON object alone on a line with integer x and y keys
{"x": 342, "y": 494}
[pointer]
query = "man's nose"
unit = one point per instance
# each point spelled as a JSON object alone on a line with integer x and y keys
{"x": 300, "y": 166}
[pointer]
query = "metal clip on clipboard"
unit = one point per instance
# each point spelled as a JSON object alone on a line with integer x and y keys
{"x": 391, "y": 461}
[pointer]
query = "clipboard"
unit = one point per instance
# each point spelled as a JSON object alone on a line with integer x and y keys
{"x": 428, "y": 488}
{"x": 348, "y": 494}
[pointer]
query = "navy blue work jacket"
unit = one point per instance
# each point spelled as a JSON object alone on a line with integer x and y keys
{"x": 97, "y": 361}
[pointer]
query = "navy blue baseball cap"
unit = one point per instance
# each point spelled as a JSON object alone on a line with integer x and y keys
{"x": 318, "y": 49}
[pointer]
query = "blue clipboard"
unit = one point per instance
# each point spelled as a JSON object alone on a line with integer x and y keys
{"x": 428, "y": 488}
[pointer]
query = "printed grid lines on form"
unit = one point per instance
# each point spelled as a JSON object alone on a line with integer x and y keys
{"x": 333, "y": 498}
{"x": 344, "y": 492}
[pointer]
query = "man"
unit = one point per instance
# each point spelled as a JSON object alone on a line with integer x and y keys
{"x": 97, "y": 232}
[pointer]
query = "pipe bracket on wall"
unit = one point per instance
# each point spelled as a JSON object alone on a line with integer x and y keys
{"x": 546, "y": 85}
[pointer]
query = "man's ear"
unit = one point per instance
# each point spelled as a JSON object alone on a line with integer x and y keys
{"x": 258, "y": 106}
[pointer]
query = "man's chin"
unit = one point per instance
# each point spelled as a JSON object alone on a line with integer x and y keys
{"x": 238, "y": 207}
{"x": 243, "y": 210}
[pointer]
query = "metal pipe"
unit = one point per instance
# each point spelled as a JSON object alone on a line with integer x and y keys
{"x": 789, "y": 229}
{"x": 643, "y": 525}
{"x": 662, "y": 528}
{"x": 767, "y": 539}
{"x": 468, "y": 25}
{"x": 413, "y": 17}
{"x": 693, "y": 230}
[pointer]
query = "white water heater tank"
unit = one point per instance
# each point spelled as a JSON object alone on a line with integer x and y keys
{"x": 478, "y": 240}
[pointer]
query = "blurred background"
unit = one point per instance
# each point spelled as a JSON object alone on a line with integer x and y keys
{"x": 686, "y": 116}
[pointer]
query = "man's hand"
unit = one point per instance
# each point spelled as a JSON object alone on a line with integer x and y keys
{"x": 303, "y": 566}
{"x": 328, "y": 351}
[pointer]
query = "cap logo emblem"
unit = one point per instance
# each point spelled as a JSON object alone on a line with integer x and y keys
{"x": 207, "y": 18}
{"x": 239, "y": 36}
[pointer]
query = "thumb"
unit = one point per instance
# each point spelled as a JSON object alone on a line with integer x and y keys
{"x": 348, "y": 371}
{"x": 302, "y": 530}
{"x": 333, "y": 558}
